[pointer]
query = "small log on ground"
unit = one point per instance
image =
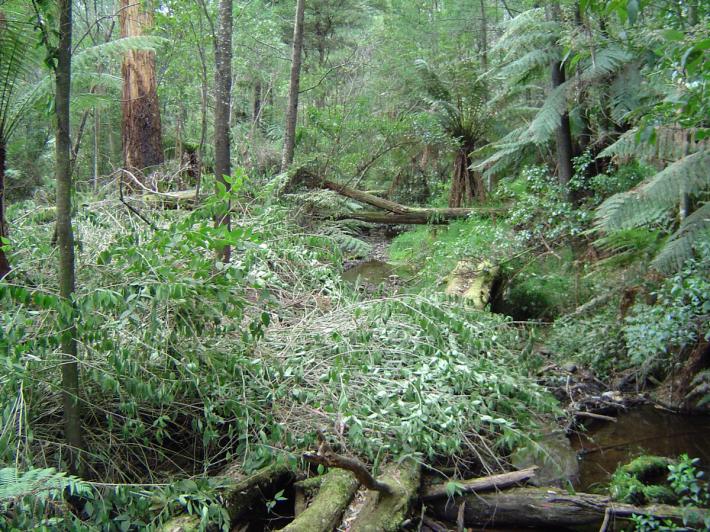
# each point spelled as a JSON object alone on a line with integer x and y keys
{"x": 504, "y": 480}
{"x": 327, "y": 507}
{"x": 549, "y": 508}
{"x": 239, "y": 496}
{"x": 385, "y": 512}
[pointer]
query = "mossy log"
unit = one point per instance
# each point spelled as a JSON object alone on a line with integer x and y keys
{"x": 240, "y": 494}
{"x": 327, "y": 507}
{"x": 170, "y": 200}
{"x": 550, "y": 508}
{"x": 385, "y": 512}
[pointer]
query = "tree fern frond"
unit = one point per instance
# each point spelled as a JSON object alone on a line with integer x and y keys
{"x": 669, "y": 143}
{"x": 649, "y": 201}
{"x": 48, "y": 482}
{"x": 548, "y": 118}
{"x": 524, "y": 22}
{"x": 605, "y": 62}
{"x": 624, "y": 92}
{"x": 89, "y": 57}
{"x": 432, "y": 82}
{"x": 522, "y": 66}
{"x": 681, "y": 244}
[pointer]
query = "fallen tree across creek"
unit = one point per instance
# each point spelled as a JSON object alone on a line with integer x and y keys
{"x": 550, "y": 508}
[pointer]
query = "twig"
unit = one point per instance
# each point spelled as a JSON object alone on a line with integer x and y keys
{"x": 594, "y": 416}
{"x": 325, "y": 456}
{"x": 132, "y": 208}
{"x": 607, "y": 517}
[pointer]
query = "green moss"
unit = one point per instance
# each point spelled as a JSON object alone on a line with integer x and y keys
{"x": 646, "y": 467}
{"x": 631, "y": 483}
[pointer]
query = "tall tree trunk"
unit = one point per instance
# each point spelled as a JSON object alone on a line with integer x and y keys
{"x": 65, "y": 239}
{"x": 223, "y": 90}
{"x": 142, "y": 142}
{"x": 466, "y": 184}
{"x": 4, "y": 263}
{"x": 292, "y": 110}
{"x": 256, "y": 109}
{"x": 484, "y": 37}
{"x": 563, "y": 134}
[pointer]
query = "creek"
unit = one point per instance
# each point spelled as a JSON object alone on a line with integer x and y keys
{"x": 639, "y": 430}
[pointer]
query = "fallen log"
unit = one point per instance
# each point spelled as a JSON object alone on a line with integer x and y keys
{"x": 323, "y": 514}
{"x": 365, "y": 197}
{"x": 504, "y": 480}
{"x": 549, "y": 508}
{"x": 240, "y": 495}
{"x": 383, "y": 511}
{"x": 410, "y": 218}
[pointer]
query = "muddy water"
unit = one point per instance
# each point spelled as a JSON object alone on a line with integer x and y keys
{"x": 373, "y": 272}
{"x": 641, "y": 430}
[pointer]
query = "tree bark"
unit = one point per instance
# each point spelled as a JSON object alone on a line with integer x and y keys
{"x": 563, "y": 134}
{"x": 324, "y": 513}
{"x": 548, "y": 508}
{"x": 4, "y": 263}
{"x": 385, "y": 512}
{"x": 223, "y": 92}
{"x": 142, "y": 141}
{"x": 504, "y": 480}
{"x": 292, "y": 110}
{"x": 65, "y": 240}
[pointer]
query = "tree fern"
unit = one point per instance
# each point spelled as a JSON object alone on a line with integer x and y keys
{"x": 548, "y": 118}
{"x": 645, "y": 203}
{"x": 681, "y": 244}
{"x": 604, "y": 61}
{"x": 42, "y": 483}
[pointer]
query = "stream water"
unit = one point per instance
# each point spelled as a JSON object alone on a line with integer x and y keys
{"x": 640, "y": 430}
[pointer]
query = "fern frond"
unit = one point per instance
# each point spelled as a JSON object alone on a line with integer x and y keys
{"x": 624, "y": 92}
{"x": 604, "y": 62}
{"x": 48, "y": 482}
{"x": 531, "y": 61}
{"x": 681, "y": 244}
{"x": 648, "y": 202}
{"x": 669, "y": 143}
{"x": 525, "y": 22}
{"x": 548, "y": 118}
{"x": 89, "y": 57}
{"x": 433, "y": 84}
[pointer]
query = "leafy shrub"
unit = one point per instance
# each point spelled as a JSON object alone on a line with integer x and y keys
{"x": 539, "y": 211}
{"x": 678, "y": 319}
{"x": 595, "y": 341}
{"x": 434, "y": 251}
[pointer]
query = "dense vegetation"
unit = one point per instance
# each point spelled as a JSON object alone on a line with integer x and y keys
{"x": 173, "y": 230}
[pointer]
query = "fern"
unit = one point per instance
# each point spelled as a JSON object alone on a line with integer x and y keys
{"x": 647, "y": 202}
{"x": 604, "y": 62}
{"x": 42, "y": 483}
{"x": 348, "y": 244}
{"x": 681, "y": 244}
{"x": 548, "y": 118}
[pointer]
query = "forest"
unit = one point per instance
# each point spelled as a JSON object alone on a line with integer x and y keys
{"x": 354, "y": 265}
